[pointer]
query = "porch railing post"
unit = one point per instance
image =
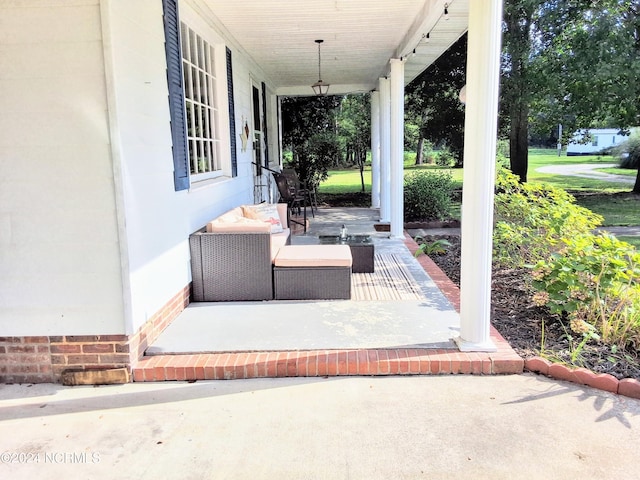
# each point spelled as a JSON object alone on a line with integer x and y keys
{"x": 385, "y": 149}
{"x": 375, "y": 149}
{"x": 483, "y": 74}
{"x": 397, "y": 147}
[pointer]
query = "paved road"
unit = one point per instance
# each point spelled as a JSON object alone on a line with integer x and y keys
{"x": 587, "y": 170}
{"x": 437, "y": 427}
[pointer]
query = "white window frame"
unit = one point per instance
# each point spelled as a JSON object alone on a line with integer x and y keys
{"x": 205, "y": 89}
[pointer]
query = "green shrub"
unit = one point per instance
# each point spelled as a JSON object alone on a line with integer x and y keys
{"x": 445, "y": 158}
{"x": 502, "y": 154}
{"x": 427, "y": 195}
{"x": 532, "y": 220}
{"x": 593, "y": 279}
{"x": 590, "y": 281}
{"x": 409, "y": 157}
{"x": 629, "y": 152}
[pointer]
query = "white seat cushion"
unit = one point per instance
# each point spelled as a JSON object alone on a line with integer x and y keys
{"x": 313, "y": 256}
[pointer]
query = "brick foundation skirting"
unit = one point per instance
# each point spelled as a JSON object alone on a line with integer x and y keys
{"x": 43, "y": 359}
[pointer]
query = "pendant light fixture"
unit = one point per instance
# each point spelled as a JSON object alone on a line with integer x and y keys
{"x": 320, "y": 88}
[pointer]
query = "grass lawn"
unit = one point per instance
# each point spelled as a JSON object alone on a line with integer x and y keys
{"x": 635, "y": 241}
{"x": 542, "y": 157}
{"x": 345, "y": 181}
{"x": 348, "y": 180}
{"x": 619, "y": 171}
{"x": 617, "y": 210}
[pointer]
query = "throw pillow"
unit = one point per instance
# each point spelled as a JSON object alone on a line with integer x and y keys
{"x": 266, "y": 212}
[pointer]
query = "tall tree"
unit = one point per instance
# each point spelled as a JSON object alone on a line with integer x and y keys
{"x": 432, "y": 101}
{"x": 592, "y": 66}
{"x": 574, "y": 62}
{"x": 354, "y": 127}
{"x": 306, "y": 123}
{"x": 517, "y": 85}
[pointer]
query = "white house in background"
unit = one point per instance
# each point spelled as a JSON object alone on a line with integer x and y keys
{"x": 594, "y": 141}
{"x": 122, "y": 131}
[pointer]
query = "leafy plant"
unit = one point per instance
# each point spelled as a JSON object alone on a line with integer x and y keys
{"x": 428, "y": 195}
{"x": 593, "y": 280}
{"x": 445, "y": 158}
{"x": 629, "y": 152}
{"x": 437, "y": 247}
{"x": 533, "y": 219}
{"x": 587, "y": 332}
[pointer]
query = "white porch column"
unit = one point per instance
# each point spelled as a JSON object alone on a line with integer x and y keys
{"x": 483, "y": 70}
{"x": 397, "y": 147}
{"x": 385, "y": 150}
{"x": 375, "y": 149}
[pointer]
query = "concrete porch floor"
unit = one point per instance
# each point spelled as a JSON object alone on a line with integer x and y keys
{"x": 326, "y": 338}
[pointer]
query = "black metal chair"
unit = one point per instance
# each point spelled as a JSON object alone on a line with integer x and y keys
{"x": 296, "y": 202}
{"x": 302, "y": 189}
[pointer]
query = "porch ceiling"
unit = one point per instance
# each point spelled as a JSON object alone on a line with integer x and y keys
{"x": 360, "y": 36}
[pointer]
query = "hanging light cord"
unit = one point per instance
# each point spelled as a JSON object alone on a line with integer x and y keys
{"x": 427, "y": 36}
{"x": 319, "y": 42}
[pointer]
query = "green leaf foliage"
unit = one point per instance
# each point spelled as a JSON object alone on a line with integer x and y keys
{"x": 629, "y": 152}
{"x": 433, "y": 111}
{"x": 593, "y": 280}
{"x": 590, "y": 280}
{"x": 436, "y": 247}
{"x": 428, "y": 195}
{"x": 531, "y": 220}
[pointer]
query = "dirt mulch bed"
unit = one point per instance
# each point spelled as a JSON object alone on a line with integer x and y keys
{"x": 520, "y": 321}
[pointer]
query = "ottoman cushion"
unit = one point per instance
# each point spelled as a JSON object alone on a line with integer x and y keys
{"x": 313, "y": 256}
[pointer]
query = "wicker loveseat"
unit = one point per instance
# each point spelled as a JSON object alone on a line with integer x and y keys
{"x": 231, "y": 257}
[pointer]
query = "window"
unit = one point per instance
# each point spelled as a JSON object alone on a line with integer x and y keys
{"x": 201, "y": 112}
{"x": 595, "y": 141}
{"x": 198, "y": 89}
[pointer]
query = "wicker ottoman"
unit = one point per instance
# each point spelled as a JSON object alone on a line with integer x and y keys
{"x": 312, "y": 272}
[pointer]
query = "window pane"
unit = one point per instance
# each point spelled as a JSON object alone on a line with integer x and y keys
{"x": 192, "y": 155}
{"x": 197, "y": 130}
{"x": 189, "y": 114}
{"x": 194, "y": 83}
{"x": 203, "y": 119}
{"x": 185, "y": 40}
{"x": 203, "y": 89}
{"x": 200, "y": 53}
{"x": 193, "y": 54}
{"x": 185, "y": 81}
{"x": 200, "y": 163}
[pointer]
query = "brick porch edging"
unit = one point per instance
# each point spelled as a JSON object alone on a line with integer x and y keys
{"x": 399, "y": 361}
{"x": 629, "y": 387}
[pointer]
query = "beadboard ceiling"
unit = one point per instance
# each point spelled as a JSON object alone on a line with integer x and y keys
{"x": 360, "y": 36}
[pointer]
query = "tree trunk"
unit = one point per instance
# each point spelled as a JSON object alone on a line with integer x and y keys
{"x": 420, "y": 153}
{"x": 362, "y": 157}
{"x": 636, "y": 187}
{"x": 519, "y": 141}
{"x": 349, "y": 159}
{"x": 517, "y": 86}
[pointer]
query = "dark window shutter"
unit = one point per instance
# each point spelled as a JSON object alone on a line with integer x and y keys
{"x": 232, "y": 116}
{"x": 265, "y": 131}
{"x": 176, "y": 95}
